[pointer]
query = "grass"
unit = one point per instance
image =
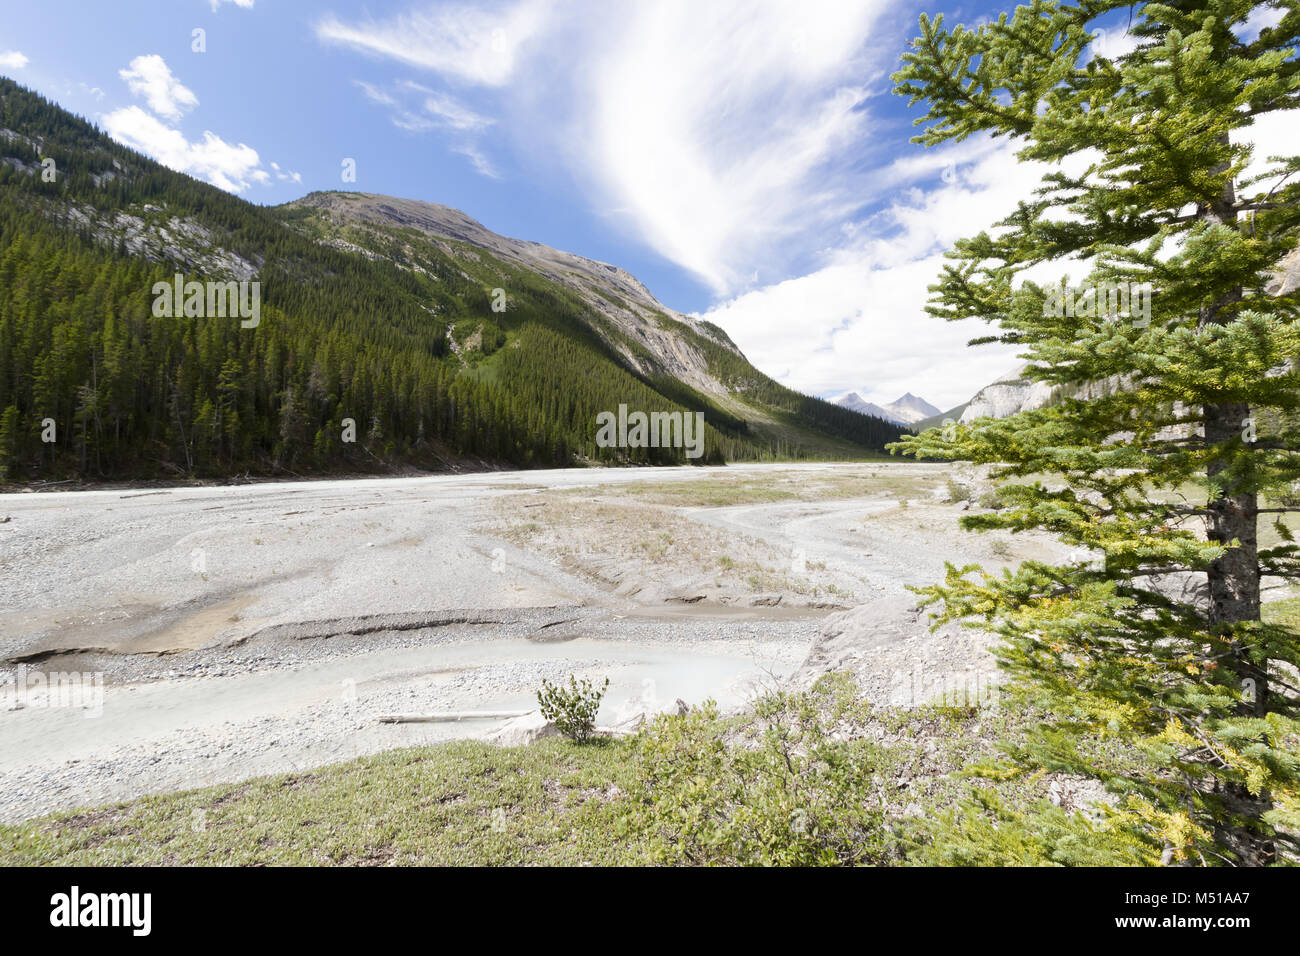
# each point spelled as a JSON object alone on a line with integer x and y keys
{"x": 471, "y": 803}
{"x": 463, "y": 803}
{"x": 1285, "y": 612}
{"x": 720, "y": 490}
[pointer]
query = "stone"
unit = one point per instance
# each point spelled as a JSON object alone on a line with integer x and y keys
{"x": 521, "y": 731}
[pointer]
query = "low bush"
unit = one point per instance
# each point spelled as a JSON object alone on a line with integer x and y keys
{"x": 572, "y": 709}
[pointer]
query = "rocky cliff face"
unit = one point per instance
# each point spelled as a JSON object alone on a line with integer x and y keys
{"x": 1009, "y": 395}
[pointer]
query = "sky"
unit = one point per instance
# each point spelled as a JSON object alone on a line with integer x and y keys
{"x": 745, "y": 159}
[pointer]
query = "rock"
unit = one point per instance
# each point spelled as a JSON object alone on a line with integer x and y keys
{"x": 677, "y": 708}
{"x": 1008, "y": 395}
{"x": 1181, "y": 587}
{"x": 521, "y": 731}
{"x": 887, "y": 646}
{"x": 685, "y": 597}
{"x": 765, "y": 600}
{"x": 631, "y": 724}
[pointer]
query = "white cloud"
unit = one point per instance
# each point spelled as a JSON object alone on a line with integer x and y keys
{"x": 452, "y": 113}
{"x": 1114, "y": 42}
{"x": 285, "y": 175}
{"x": 376, "y": 94}
{"x": 431, "y": 109}
{"x": 857, "y": 325}
{"x": 714, "y": 132}
{"x": 1272, "y": 134}
{"x": 478, "y": 160}
{"x": 859, "y": 322}
{"x": 216, "y": 4}
{"x": 1260, "y": 19}
{"x": 719, "y": 130}
{"x": 12, "y": 60}
{"x": 150, "y": 76}
{"x": 473, "y": 43}
{"x": 231, "y": 167}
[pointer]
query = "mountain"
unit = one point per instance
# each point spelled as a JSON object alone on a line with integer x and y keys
{"x": 953, "y": 414}
{"x": 1014, "y": 393}
{"x": 631, "y": 319}
{"x": 390, "y": 334}
{"x": 855, "y": 402}
{"x": 1008, "y": 395}
{"x": 910, "y": 409}
{"x": 905, "y": 410}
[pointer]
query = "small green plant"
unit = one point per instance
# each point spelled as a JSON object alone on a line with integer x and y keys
{"x": 958, "y": 492}
{"x": 572, "y": 709}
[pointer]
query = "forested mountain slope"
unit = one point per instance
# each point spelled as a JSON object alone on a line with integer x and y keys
{"x": 373, "y": 311}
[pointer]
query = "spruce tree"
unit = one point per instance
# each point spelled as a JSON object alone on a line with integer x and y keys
{"x": 1168, "y": 458}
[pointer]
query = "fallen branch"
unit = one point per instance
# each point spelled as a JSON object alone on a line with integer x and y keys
{"x": 451, "y": 715}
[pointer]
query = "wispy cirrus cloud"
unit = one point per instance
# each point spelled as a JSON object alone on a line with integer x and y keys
{"x": 723, "y": 132}
{"x": 417, "y": 107}
{"x": 473, "y": 43}
{"x": 478, "y": 46}
{"x": 714, "y": 132}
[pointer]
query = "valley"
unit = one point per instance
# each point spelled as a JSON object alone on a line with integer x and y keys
{"x": 256, "y": 629}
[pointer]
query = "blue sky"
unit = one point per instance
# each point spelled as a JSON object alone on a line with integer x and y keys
{"x": 744, "y": 158}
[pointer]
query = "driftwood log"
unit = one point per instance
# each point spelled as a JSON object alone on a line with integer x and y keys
{"x": 451, "y": 715}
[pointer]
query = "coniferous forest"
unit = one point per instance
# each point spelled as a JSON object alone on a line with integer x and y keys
{"x": 353, "y": 366}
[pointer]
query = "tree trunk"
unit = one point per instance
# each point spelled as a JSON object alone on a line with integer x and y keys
{"x": 1234, "y": 578}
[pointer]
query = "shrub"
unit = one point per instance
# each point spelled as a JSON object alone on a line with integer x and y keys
{"x": 572, "y": 709}
{"x": 957, "y": 491}
{"x": 782, "y": 786}
{"x": 984, "y": 830}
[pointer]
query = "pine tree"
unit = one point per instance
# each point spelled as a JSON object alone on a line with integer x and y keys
{"x": 1173, "y": 436}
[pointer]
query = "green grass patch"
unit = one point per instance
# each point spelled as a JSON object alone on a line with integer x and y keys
{"x": 463, "y": 803}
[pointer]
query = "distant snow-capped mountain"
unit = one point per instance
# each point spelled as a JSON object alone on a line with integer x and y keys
{"x": 902, "y": 411}
{"x": 911, "y": 408}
